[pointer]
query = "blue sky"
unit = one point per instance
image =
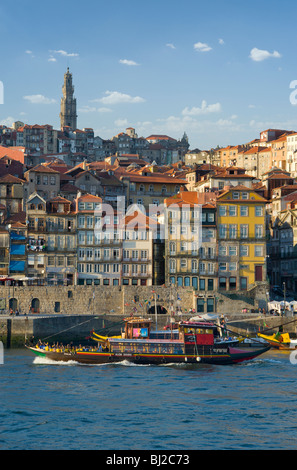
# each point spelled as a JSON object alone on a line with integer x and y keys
{"x": 219, "y": 71}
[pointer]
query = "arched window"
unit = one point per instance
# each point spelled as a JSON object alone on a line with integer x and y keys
{"x": 172, "y": 248}
{"x": 195, "y": 282}
{"x": 180, "y": 281}
{"x": 172, "y": 266}
{"x": 141, "y": 188}
{"x": 187, "y": 281}
{"x": 194, "y": 266}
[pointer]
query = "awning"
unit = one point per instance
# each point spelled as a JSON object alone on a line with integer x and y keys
{"x": 17, "y": 266}
{"x": 17, "y": 249}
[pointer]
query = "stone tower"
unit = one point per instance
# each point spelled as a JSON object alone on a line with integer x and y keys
{"x": 68, "y": 116}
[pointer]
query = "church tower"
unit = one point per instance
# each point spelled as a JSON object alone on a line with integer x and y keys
{"x": 68, "y": 116}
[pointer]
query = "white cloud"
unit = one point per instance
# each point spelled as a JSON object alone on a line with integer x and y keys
{"x": 121, "y": 122}
{"x": 115, "y": 97}
{"x": 170, "y": 45}
{"x": 221, "y": 41}
{"x": 205, "y": 109}
{"x": 258, "y": 55}
{"x": 202, "y": 47}
{"x": 87, "y": 109}
{"x": 52, "y": 59}
{"x": 30, "y": 53}
{"x": 39, "y": 99}
{"x": 104, "y": 110}
{"x": 93, "y": 109}
{"x": 128, "y": 62}
{"x": 65, "y": 54}
{"x": 7, "y": 122}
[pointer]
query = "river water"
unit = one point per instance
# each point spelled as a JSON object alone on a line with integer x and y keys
{"x": 52, "y": 406}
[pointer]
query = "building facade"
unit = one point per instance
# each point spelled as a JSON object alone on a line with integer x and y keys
{"x": 241, "y": 222}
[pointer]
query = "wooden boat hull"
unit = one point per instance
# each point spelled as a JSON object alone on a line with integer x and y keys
{"x": 223, "y": 356}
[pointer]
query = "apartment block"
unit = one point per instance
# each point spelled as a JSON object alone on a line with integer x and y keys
{"x": 241, "y": 222}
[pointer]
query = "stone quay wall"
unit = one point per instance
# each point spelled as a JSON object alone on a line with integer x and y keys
{"x": 123, "y": 300}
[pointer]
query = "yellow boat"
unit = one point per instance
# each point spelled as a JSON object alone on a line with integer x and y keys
{"x": 280, "y": 340}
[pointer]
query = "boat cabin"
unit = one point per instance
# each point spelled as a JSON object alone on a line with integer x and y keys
{"x": 137, "y": 328}
{"x": 138, "y": 340}
{"x": 200, "y": 333}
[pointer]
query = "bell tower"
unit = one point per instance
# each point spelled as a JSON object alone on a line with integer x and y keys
{"x": 68, "y": 116}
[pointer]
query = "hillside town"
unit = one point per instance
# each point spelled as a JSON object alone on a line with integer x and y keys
{"x": 76, "y": 209}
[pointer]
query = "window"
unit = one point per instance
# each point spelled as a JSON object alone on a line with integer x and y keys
{"x": 222, "y": 230}
{"x": 232, "y": 283}
{"x": 233, "y": 211}
{"x": 232, "y": 250}
{"x": 116, "y": 268}
{"x": 222, "y": 266}
{"x": 195, "y": 282}
{"x": 235, "y": 195}
{"x": 183, "y": 263}
{"x": 194, "y": 266}
{"x": 210, "y": 305}
{"x": 258, "y": 250}
{"x": 210, "y": 268}
{"x": 200, "y": 305}
{"x": 243, "y": 283}
{"x": 244, "y": 195}
{"x": 187, "y": 281}
{"x": 244, "y": 211}
{"x": 258, "y": 211}
{"x": 210, "y": 284}
{"x": 183, "y": 230}
{"x": 244, "y": 250}
{"x": 183, "y": 246}
{"x": 244, "y": 231}
{"x": 202, "y": 268}
{"x": 135, "y": 254}
{"x": 258, "y": 231}
{"x": 201, "y": 284}
{"x": 232, "y": 266}
{"x": 222, "y": 283}
{"x": 233, "y": 231}
{"x": 222, "y": 251}
{"x": 222, "y": 211}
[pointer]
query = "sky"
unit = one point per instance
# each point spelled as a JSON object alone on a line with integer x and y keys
{"x": 219, "y": 71}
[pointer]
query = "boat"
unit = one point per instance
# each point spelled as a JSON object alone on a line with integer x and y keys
{"x": 195, "y": 344}
{"x": 280, "y": 341}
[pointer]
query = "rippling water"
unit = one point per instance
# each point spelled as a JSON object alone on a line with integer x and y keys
{"x": 53, "y": 406}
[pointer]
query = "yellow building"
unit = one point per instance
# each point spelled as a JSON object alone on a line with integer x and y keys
{"x": 241, "y": 239}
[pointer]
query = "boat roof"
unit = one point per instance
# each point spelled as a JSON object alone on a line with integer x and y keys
{"x": 137, "y": 320}
{"x": 144, "y": 340}
{"x": 197, "y": 324}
